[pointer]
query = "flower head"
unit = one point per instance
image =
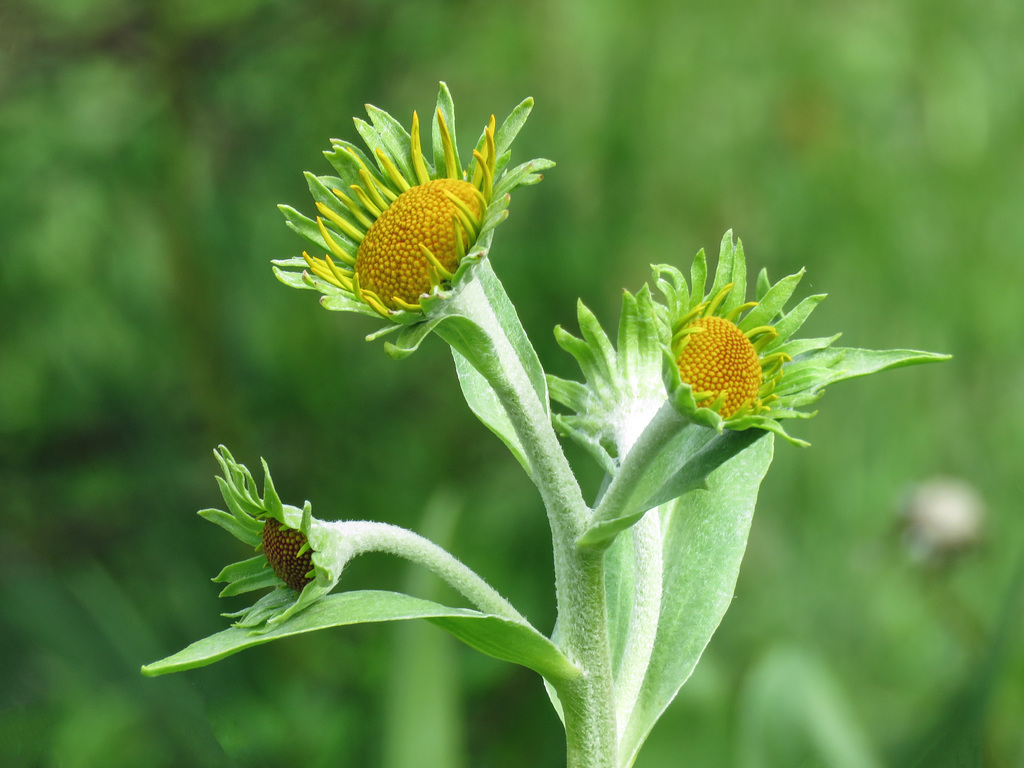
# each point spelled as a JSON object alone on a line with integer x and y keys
{"x": 724, "y": 362}
{"x": 288, "y": 542}
{"x": 732, "y": 359}
{"x": 720, "y": 361}
{"x": 396, "y": 230}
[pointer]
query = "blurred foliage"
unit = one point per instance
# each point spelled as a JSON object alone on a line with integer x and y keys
{"x": 143, "y": 148}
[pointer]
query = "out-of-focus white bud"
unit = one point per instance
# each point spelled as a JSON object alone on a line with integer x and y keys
{"x": 942, "y": 516}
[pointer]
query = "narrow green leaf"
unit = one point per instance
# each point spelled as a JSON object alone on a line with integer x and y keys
{"x": 676, "y": 292}
{"x": 640, "y": 336}
{"x": 340, "y": 156}
{"x": 251, "y": 583}
{"x": 337, "y": 300}
{"x": 484, "y": 402}
{"x": 494, "y": 635}
{"x": 704, "y": 538}
{"x": 792, "y": 320}
{"x": 303, "y": 226}
{"x": 409, "y": 339}
{"x": 698, "y": 277}
{"x": 375, "y": 142}
{"x": 797, "y": 347}
{"x": 522, "y": 175}
{"x": 507, "y": 132}
{"x": 571, "y": 394}
{"x": 602, "y": 358}
{"x": 239, "y": 527}
{"x": 680, "y": 465}
{"x": 771, "y": 304}
{"x": 863, "y": 362}
{"x": 484, "y": 346}
{"x": 731, "y": 268}
{"x": 589, "y": 435}
{"x": 446, "y": 104}
{"x": 242, "y": 569}
{"x": 763, "y": 284}
{"x": 396, "y": 141}
{"x": 238, "y": 504}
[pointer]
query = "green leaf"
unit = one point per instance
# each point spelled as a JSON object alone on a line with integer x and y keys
{"x": 447, "y": 107}
{"x": 732, "y": 268}
{"x": 241, "y": 527}
{"x": 484, "y": 402}
{"x": 678, "y": 465}
{"x": 496, "y": 636}
{"x": 348, "y": 160}
{"x": 395, "y": 141}
{"x": 522, "y": 175}
{"x": 623, "y": 387}
{"x": 863, "y": 362}
{"x": 494, "y": 342}
{"x": 699, "y": 276}
{"x": 771, "y": 303}
{"x": 507, "y": 132}
{"x": 704, "y": 538}
{"x": 303, "y": 226}
{"x": 792, "y": 320}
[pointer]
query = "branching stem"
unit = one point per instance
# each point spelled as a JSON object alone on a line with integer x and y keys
{"x": 582, "y": 633}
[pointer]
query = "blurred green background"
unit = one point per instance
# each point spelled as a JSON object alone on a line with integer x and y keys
{"x": 143, "y": 148}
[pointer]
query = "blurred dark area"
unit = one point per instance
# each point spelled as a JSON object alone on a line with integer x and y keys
{"x": 143, "y": 149}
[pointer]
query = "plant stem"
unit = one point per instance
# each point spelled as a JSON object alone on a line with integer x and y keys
{"x": 587, "y": 701}
{"x": 350, "y": 538}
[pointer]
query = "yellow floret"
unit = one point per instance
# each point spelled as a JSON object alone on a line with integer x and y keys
{"x": 719, "y": 360}
{"x": 390, "y": 261}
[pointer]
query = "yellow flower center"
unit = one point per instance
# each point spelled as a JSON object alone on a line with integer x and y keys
{"x": 719, "y": 359}
{"x": 390, "y": 261}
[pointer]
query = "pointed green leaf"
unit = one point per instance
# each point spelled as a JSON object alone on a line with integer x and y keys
{"x": 698, "y": 277}
{"x": 446, "y": 104}
{"x": 763, "y": 284}
{"x": 507, "y": 132}
{"x": 522, "y": 175}
{"x": 348, "y": 160}
{"x": 396, "y": 141}
{"x": 771, "y": 304}
{"x": 251, "y": 583}
{"x": 640, "y": 335}
{"x": 243, "y": 528}
{"x": 243, "y": 569}
{"x": 494, "y": 635}
{"x": 704, "y": 538}
{"x": 483, "y": 401}
{"x": 732, "y": 268}
{"x": 792, "y": 320}
{"x": 677, "y": 466}
{"x": 303, "y": 225}
{"x": 863, "y": 362}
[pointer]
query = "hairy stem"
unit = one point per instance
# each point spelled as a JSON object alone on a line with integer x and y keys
{"x": 486, "y": 342}
{"x": 349, "y": 538}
